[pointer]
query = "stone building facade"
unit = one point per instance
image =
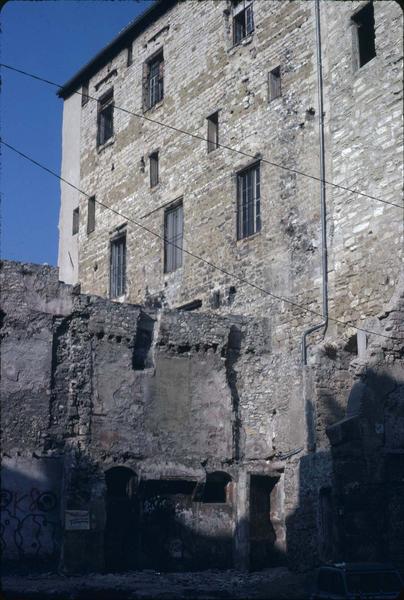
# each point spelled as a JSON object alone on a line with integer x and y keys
{"x": 196, "y": 424}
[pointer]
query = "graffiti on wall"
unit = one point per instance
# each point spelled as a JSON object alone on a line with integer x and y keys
{"x": 29, "y": 523}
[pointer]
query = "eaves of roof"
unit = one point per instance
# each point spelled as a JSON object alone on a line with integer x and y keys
{"x": 122, "y": 40}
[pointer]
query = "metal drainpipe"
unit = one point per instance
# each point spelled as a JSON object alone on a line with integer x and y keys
{"x": 322, "y": 189}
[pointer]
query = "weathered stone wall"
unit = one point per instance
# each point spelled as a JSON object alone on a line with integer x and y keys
{"x": 167, "y": 395}
{"x": 204, "y": 72}
{"x": 368, "y": 448}
{"x": 364, "y": 148}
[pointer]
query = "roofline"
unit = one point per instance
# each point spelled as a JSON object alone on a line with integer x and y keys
{"x": 158, "y": 8}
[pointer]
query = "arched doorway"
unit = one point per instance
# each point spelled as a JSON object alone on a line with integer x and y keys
{"x": 121, "y": 529}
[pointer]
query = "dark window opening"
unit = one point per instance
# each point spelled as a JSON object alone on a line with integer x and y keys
{"x": 173, "y": 238}
{"x": 154, "y": 169}
{"x": 352, "y": 344}
{"x": 167, "y": 487}
{"x": 274, "y": 83}
{"x": 76, "y": 220}
{"x": 215, "y": 302}
{"x": 91, "y": 214}
{"x": 129, "y": 56}
{"x": 213, "y": 132}
{"x": 118, "y": 266}
{"x": 120, "y": 481}
{"x": 364, "y": 21}
{"x": 105, "y": 118}
{"x": 243, "y": 19}
{"x": 193, "y": 305}
{"x": 84, "y": 94}
{"x": 215, "y": 489}
{"x": 143, "y": 341}
{"x": 248, "y": 202}
{"x": 154, "y": 81}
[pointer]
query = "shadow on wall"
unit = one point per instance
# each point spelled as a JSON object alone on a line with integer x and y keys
{"x": 349, "y": 508}
{"x": 351, "y": 496}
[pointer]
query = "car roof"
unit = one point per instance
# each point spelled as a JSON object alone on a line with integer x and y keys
{"x": 360, "y": 567}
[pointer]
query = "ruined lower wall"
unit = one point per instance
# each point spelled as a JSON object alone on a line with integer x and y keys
{"x": 138, "y": 438}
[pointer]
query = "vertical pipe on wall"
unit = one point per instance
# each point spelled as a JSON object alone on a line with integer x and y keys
{"x": 323, "y": 214}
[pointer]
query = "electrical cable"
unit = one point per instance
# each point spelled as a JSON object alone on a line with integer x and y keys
{"x": 207, "y": 262}
{"x": 201, "y": 138}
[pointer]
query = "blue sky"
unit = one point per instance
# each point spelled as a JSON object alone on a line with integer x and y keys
{"x": 53, "y": 39}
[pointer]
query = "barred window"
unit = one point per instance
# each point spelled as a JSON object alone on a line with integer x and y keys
{"x": 91, "y": 214}
{"x": 248, "y": 202}
{"x": 118, "y": 266}
{"x": 213, "y": 131}
{"x": 274, "y": 83}
{"x": 154, "y": 80}
{"x": 154, "y": 169}
{"x": 173, "y": 234}
{"x": 105, "y": 117}
{"x": 243, "y": 19}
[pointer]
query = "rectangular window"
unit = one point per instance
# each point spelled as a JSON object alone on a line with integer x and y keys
{"x": 76, "y": 220}
{"x": 364, "y": 21}
{"x": 105, "y": 118}
{"x": 213, "y": 131}
{"x": 154, "y": 169}
{"x": 173, "y": 236}
{"x": 154, "y": 80}
{"x": 274, "y": 83}
{"x": 243, "y": 19}
{"x": 248, "y": 202}
{"x": 129, "y": 56}
{"x": 118, "y": 266}
{"x": 84, "y": 94}
{"x": 91, "y": 214}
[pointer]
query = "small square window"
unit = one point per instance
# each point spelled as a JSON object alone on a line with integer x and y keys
{"x": 118, "y": 266}
{"x": 91, "y": 214}
{"x": 76, "y": 221}
{"x": 248, "y": 202}
{"x": 105, "y": 118}
{"x": 84, "y": 94}
{"x": 154, "y": 169}
{"x": 213, "y": 131}
{"x": 364, "y": 34}
{"x": 274, "y": 83}
{"x": 243, "y": 19}
{"x": 129, "y": 56}
{"x": 173, "y": 238}
{"x": 153, "y": 80}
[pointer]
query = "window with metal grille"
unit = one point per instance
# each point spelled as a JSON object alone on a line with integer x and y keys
{"x": 118, "y": 266}
{"x": 274, "y": 83}
{"x": 84, "y": 94}
{"x": 248, "y": 202}
{"x": 105, "y": 118}
{"x": 91, "y": 214}
{"x": 154, "y": 169}
{"x": 243, "y": 19}
{"x": 213, "y": 131}
{"x": 173, "y": 234}
{"x": 154, "y": 80}
{"x": 76, "y": 220}
{"x": 364, "y": 40}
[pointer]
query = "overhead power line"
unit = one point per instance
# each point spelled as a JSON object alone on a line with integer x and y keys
{"x": 197, "y": 257}
{"x": 204, "y": 139}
